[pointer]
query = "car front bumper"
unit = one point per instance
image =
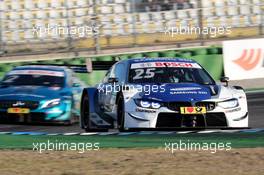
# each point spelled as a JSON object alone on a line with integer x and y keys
{"x": 59, "y": 113}
{"x": 138, "y": 117}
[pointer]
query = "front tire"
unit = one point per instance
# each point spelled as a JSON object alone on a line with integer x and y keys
{"x": 73, "y": 117}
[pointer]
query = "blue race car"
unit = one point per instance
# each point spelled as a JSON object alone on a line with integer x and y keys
{"x": 38, "y": 93}
{"x": 162, "y": 93}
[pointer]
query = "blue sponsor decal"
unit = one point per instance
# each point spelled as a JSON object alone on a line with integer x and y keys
{"x": 189, "y": 92}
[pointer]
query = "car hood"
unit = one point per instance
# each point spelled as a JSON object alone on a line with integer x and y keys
{"x": 32, "y": 93}
{"x": 181, "y": 92}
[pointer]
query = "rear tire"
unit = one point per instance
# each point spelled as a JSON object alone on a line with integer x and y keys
{"x": 85, "y": 113}
{"x": 120, "y": 113}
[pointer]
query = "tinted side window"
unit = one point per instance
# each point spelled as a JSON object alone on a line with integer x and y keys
{"x": 107, "y": 75}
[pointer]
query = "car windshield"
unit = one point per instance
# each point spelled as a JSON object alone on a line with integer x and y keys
{"x": 33, "y": 80}
{"x": 166, "y": 74}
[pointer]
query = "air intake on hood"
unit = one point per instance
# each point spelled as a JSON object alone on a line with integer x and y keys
{"x": 213, "y": 90}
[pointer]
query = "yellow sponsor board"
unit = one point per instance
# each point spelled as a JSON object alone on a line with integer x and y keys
{"x": 18, "y": 110}
{"x": 193, "y": 110}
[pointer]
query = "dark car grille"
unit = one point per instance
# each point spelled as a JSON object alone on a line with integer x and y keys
{"x": 4, "y": 104}
{"x": 209, "y": 105}
{"x": 169, "y": 120}
{"x": 25, "y": 118}
{"x": 175, "y": 120}
{"x": 216, "y": 119}
{"x": 175, "y": 106}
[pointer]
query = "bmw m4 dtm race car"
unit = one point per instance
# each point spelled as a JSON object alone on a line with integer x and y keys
{"x": 162, "y": 93}
{"x": 38, "y": 93}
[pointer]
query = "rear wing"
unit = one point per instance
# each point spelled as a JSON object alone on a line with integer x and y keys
{"x": 93, "y": 65}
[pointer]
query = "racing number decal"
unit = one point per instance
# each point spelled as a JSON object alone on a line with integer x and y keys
{"x": 11, "y": 79}
{"x": 140, "y": 73}
{"x": 150, "y": 73}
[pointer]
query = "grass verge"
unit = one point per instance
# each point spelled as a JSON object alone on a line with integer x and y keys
{"x": 237, "y": 140}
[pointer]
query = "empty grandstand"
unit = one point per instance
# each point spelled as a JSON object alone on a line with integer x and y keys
{"x": 40, "y": 25}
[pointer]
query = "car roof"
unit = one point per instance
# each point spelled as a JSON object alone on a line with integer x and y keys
{"x": 41, "y": 67}
{"x": 141, "y": 60}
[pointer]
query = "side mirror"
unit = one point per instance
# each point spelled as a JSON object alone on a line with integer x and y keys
{"x": 112, "y": 80}
{"x": 76, "y": 85}
{"x": 224, "y": 80}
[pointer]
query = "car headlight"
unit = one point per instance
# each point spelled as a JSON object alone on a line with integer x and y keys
{"x": 147, "y": 104}
{"x": 51, "y": 103}
{"x": 229, "y": 103}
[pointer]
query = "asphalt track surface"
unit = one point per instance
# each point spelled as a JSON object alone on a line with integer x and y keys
{"x": 255, "y": 105}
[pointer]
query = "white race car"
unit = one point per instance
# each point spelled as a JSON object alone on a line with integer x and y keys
{"x": 162, "y": 93}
